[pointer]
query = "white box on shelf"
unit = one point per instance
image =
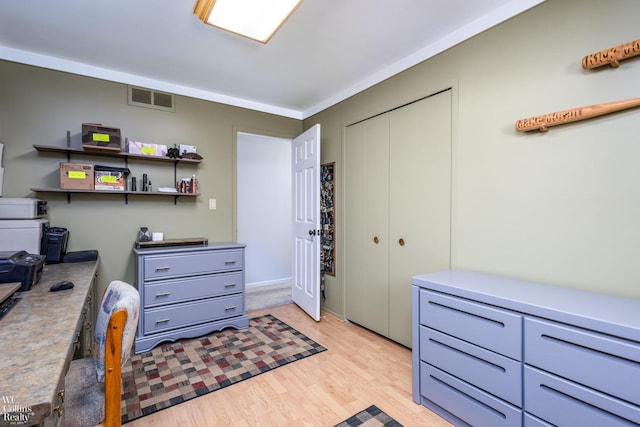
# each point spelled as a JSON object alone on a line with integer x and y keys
{"x": 184, "y": 148}
{"x": 146, "y": 149}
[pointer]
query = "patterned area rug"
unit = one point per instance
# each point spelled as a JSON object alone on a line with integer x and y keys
{"x": 176, "y": 372}
{"x": 370, "y": 417}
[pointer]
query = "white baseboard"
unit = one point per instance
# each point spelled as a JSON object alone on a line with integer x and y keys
{"x": 284, "y": 281}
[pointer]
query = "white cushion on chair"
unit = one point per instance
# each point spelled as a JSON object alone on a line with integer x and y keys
{"x": 118, "y": 295}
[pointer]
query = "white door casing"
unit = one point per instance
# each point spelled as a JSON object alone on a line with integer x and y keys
{"x": 305, "y": 161}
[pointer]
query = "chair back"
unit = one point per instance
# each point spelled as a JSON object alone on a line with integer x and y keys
{"x": 114, "y": 333}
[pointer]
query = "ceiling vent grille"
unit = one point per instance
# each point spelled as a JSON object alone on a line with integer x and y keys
{"x": 141, "y": 97}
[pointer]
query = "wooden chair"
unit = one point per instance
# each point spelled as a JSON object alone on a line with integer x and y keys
{"x": 88, "y": 400}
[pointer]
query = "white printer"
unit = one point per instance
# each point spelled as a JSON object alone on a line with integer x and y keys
{"x": 22, "y": 224}
{"x": 22, "y": 208}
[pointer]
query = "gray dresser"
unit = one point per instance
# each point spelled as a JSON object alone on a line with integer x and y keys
{"x": 492, "y": 351}
{"x": 189, "y": 291}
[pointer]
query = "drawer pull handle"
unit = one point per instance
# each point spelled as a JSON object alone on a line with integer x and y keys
{"x": 162, "y": 321}
{"x": 230, "y": 285}
{"x": 163, "y": 294}
{"x": 163, "y": 268}
{"x": 230, "y": 262}
{"x": 230, "y": 307}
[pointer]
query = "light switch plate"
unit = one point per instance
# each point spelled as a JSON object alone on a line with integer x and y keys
{"x": 212, "y": 204}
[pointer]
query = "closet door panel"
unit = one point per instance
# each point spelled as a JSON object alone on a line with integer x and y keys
{"x": 367, "y": 221}
{"x": 420, "y": 201}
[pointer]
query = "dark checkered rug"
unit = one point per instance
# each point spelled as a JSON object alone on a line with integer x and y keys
{"x": 174, "y": 373}
{"x": 370, "y": 417}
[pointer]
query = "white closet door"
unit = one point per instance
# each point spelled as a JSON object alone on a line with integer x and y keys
{"x": 366, "y": 203}
{"x": 419, "y": 202}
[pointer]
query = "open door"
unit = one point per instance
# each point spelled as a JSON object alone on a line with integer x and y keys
{"x": 305, "y": 160}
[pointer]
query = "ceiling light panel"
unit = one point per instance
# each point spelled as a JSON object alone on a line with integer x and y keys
{"x": 255, "y": 19}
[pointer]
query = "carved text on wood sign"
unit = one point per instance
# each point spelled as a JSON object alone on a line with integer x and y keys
{"x": 543, "y": 122}
{"x": 611, "y": 56}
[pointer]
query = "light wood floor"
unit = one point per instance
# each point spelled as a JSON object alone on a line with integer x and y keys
{"x": 358, "y": 369}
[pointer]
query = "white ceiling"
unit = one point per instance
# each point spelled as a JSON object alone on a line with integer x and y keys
{"x": 327, "y": 50}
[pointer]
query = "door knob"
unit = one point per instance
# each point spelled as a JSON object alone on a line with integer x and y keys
{"x": 401, "y": 242}
{"x": 312, "y": 232}
{"x": 375, "y": 239}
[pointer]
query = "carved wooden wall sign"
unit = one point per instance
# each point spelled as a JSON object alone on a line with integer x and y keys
{"x": 544, "y": 121}
{"x": 611, "y": 56}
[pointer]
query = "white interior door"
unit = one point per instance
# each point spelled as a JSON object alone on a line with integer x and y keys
{"x": 305, "y": 160}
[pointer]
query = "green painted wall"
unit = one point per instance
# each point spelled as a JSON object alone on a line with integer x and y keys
{"x": 561, "y": 207}
{"x": 38, "y": 106}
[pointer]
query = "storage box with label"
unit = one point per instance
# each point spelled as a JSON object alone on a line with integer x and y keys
{"x": 146, "y": 149}
{"x": 109, "y": 178}
{"x": 98, "y": 137}
{"x": 76, "y": 176}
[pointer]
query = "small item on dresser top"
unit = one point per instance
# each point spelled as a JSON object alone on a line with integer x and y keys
{"x": 157, "y": 236}
{"x": 61, "y": 286}
{"x": 198, "y": 241}
{"x": 144, "y": 235}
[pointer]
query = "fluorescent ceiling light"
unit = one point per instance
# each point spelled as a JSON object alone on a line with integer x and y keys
{"x": 255, "y": 19}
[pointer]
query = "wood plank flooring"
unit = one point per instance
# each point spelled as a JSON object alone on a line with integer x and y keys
{"x": 358, "y": 369}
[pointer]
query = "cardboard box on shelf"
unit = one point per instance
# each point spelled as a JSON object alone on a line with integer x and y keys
{"x": 76, "y": 176}
{"x": 98, "y": 137}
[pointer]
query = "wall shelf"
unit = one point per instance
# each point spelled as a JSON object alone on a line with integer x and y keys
{"x": 68, "y": 150}
{"x": 126, "y": 194}
{"x": 126, "y": 156}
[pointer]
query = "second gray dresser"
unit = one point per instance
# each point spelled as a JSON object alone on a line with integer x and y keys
{"x": 494, "y": 351}
{"x": 189, "y": 291}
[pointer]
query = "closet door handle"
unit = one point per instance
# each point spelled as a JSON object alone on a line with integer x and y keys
{"x": 401, "y": 242}
{"x": 376, "y": 240}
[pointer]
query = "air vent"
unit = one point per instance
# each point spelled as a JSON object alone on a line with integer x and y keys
{"x": 141, "y": 97}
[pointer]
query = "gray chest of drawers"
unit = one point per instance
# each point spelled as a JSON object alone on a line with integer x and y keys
{"x": 189, "y": 291}
{"x": 493, "y": 351}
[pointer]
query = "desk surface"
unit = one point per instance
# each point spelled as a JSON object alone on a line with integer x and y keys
{"x": 36, "y": 339}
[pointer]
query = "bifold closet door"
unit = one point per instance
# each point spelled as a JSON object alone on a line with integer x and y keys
{"x": 397, "y": 211}
{"x": 419, "y": 201}
{"x": 366, "y": 225}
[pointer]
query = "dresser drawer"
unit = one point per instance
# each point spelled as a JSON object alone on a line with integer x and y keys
{"x": 466, "y": 402}
{"x": 490, "y": 328}
{"x": 191, "y": 313}
{"x": 489, "y": 371}
{"x": 190, "y": 264}
{"x": 192, "y": 288}
{"x": 564, "y": 403}
{"x": 598, "y": 361}
{"x": 531, "y": 421}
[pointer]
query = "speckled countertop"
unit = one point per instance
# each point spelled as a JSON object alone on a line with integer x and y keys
{"x": 36, "y": 340}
